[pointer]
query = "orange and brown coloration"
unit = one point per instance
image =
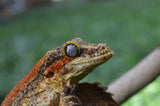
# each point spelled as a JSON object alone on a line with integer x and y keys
{"x": 59, "y": 68}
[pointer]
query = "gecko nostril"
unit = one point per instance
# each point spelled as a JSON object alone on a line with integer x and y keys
{"x": 103, "y": 47}
{"x": 50, "y": 75}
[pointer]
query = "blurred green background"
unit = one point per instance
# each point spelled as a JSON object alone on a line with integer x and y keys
{"x": 130, "y": 27}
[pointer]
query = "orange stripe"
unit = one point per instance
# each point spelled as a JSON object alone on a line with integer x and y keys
{"x": 20, "y": 86}
{"x": 56, "y": 68}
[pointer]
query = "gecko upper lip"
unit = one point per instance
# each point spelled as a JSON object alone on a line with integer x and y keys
{"x": 100, "y": 57}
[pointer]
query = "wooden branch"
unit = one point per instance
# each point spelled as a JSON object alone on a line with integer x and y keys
{"x": 136, "y": 78}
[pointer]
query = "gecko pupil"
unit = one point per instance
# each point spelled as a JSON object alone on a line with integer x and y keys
{"x": 71, "y": 50}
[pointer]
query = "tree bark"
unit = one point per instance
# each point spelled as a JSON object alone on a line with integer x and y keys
{"x": 136, "y": 78}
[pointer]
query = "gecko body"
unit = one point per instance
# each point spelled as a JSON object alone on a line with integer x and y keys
{"x": 60, "y": 67}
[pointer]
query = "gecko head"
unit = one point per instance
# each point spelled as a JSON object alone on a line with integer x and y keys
{"x": 74, "y": 60}
{"x": 87, "y": 57}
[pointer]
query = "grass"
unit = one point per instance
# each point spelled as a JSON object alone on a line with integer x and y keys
{"x": 149, "y": 96}
{"x": 131, "y": 28}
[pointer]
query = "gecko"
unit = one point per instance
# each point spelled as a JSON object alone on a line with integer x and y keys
{"x": 57, "y": 69}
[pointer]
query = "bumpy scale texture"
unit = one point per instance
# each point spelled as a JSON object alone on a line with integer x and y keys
{"x": 46, "y": 83}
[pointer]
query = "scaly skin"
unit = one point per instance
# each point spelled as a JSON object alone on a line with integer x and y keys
{"x": 44, "y": 85}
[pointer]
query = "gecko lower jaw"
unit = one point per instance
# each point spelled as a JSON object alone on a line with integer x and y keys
{"x": 96, "y": 59}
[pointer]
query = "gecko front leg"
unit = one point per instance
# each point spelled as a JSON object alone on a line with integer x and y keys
{"x": 68, "y": 98}
{"x": 70, "y": 101}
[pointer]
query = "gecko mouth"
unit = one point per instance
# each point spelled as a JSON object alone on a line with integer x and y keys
{"x": 85, "y": 66}
{"x": 99, "y": 58}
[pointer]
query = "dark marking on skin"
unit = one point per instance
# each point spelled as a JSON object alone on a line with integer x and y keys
{"x": 55, "y": 57}
{"x": 90, "y": 52}
{"x": 52, "y": 60}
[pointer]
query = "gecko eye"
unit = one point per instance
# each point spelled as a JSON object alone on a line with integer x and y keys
{"x": 50, "y": 75}
{"x": 71, "y": 49}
